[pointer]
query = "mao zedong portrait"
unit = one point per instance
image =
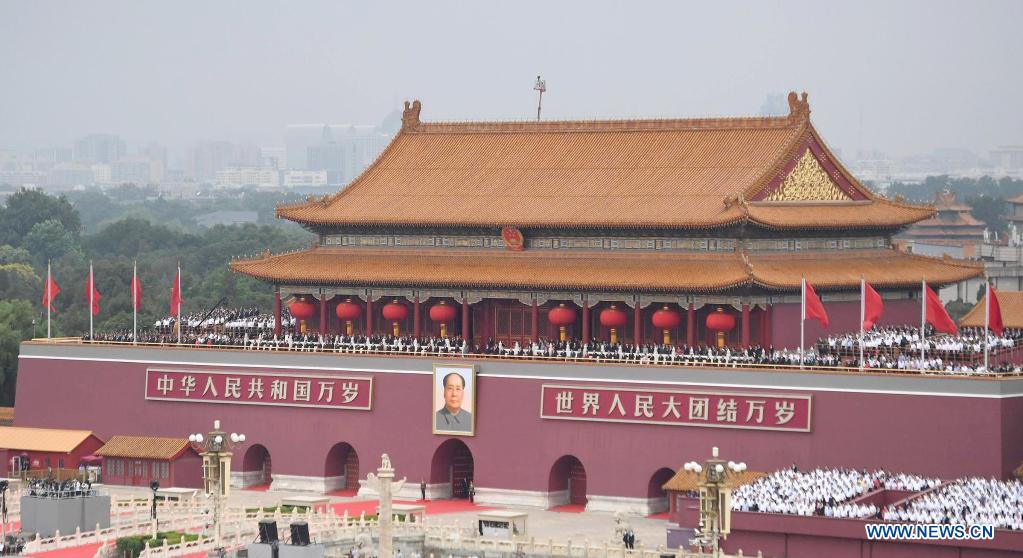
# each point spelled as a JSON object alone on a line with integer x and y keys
{"x": 452, "y": 417}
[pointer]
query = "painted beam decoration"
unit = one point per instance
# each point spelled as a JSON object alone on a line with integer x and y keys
{"x": 713, "y": 409}
{"x": 260, "y": 388}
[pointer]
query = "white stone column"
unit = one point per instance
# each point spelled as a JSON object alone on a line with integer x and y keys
{"x": 383, "y": 482}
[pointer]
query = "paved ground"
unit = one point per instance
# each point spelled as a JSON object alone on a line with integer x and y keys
{"x": 595, "y": 527}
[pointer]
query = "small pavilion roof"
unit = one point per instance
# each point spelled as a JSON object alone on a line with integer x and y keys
{"x": 143, "y": 447}
{"x": 592, "y": 271}
{"x": 53, "y": 440}
{"x": 623, "y": 174}
{"x": 1011, "y": 304}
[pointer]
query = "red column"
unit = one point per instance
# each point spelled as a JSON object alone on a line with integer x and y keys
{"x": 768, "y": 316}
{"x": 465, "y": 319}
{"x": 637, "y": 324}
{"x": 415, "y": 317}
{"x": 323, "y": 313}
{"x": 586, "y": 321}
{"x": 536, "y": 322}
{"x": 369, "y": 316}
{"x": 277, "y": 312}
{"x": 745, "y": 325}
{"x": 690, "y": 324}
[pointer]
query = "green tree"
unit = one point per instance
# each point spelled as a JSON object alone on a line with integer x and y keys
{"x": 26, "y": 207}
{"x": 11, "y": 255}
{"x": 49, "y": 240}
{"x": 18, "y": 280}
{"x": 15, "y": 326}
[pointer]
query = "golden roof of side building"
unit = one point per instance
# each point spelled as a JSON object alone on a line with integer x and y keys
{"x": 143, "y": 447}
{"x": 601, "y": 271}
{"x": 665, "y": 174}
{"x": 687, "y": 481}
{"x": 1011, "y": 304}
{"x": 41, "y": 439}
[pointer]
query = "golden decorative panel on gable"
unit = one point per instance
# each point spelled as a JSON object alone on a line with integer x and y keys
{"x": 808, "y": 181}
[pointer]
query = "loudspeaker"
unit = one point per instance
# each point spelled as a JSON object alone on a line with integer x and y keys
{"x": 267, "y": 531}
{"x": 300, "y": 533}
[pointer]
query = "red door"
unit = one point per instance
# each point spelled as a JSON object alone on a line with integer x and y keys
{"x": 138, "y": 474}
{"x": 577, "y": 485}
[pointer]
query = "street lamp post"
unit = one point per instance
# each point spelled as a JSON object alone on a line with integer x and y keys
{"x": 155, "y": 485}
{"x": 3, "y": 511}
{"x": 216, "y": 450}
{"x": 715, "y": 499}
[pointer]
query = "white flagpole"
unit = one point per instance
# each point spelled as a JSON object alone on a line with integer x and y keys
{"x": 49, "y": 299}
{"x": 134, "y": 303}
{"x": 92, "y": 302}
{"x": 179, "y": 303}
{"x": 987, "y": 320}
{"x": 863, "y": 314}
{"x": 802, "y": 324}
{"x": 923, "y": 321}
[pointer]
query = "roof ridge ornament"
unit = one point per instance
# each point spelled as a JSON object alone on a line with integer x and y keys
{"x": 798, "y": 108}
{"x": 410, "y": 116}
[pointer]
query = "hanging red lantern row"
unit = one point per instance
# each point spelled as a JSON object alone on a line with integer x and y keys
{"x": 302, "y": 311}
{"x": 721, "y": 322}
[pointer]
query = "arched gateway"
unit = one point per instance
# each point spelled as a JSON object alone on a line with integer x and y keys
{"x": 657, "y": 497}
{"x": 567, "y": 483}
{"x": 257, "y": 469}
{"x": 451, "y": 470}
{"x": 341, "y": 470}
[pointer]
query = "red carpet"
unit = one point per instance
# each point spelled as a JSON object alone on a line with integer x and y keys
{"x": 84, "y": 551}
{"x": 354, "y": 509}
{"x": 662, "y": 515}
{"x": 569, "y": 508}
{"x": 258, "y": 488}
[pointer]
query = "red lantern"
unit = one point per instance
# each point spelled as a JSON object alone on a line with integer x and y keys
{"x": 396, "y": 312}
{"x": 666, "y": 319}
{"x": 442, "y": 313}
{"x": 721, "y": 322}
{"x": 614, "y": 319}
{"x": 348, "y": 311}
{"x": 302, "y": 311}
{"x": 561, "y": 317}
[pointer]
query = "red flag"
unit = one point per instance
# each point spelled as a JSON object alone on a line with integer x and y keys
{"x": 994, "y": 312}
{"x": 136, "y": 291}
{"x": 90, "y": 285}
{"x": 873, "y": 306}
{"x": 175, "y": 303}
{"x": 937, "y": 316}
{"x": 50, "y": 292}
{"x": 814, "y": 308}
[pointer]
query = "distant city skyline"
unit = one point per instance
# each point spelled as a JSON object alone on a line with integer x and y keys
{"x": 901, "y": 77}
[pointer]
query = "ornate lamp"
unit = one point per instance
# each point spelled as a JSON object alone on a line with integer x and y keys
{"x": 613, "y": 318}
{"x": 561, "y": 317}
{"x": 348, "y": 311}
{"x": 715, "y": 498}
{"x": 720, "y": 322}
{"x": 666, "y": 319}
{"x": 396, "y": 312}
{"x": 442, "y": 313}
{"x": 216, "y": 448}
{"x": 302, "y": 310}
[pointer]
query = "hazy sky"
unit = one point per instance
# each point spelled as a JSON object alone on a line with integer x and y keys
{"x": 898, "y": 76}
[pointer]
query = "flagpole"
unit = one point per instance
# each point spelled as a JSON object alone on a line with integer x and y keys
{"x": 134, "y": 303}
{"x": 863, "y": 314}
{"x": 92, "y": 301}
{"x": 923, "y": 321}
{"x": 987, "y": 320}
{"x": 802, "y": 325}
{"x": 49, "y": 298}
{"x": 179, "y": 303}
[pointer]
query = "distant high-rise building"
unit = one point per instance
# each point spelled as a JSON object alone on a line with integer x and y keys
{"x": 137, "y": 170}
{"x": 350, "y": 148}
{"x": 206, "y": 158}
{"x": 99, "y": 148}
{"x": 1008, "y": 158}
{"x": 273, "y": 156}
{"x": 261, "y": 177}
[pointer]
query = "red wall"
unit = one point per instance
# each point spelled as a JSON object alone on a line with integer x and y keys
{"x": 843, "y": 317}
{"x": 185, "y": 471}
{"x": 931, "y": 435}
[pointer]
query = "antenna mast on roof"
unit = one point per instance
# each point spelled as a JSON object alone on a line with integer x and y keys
{"x": 540, "y": 86}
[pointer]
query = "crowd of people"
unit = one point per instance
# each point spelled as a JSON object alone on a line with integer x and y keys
{"x": 894, "y": 342}
{"x": 891, "y": 348}
{"x": 49, "y": 488}
{"x": 969, "y": 501}
{"x": 820, "y": 492}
